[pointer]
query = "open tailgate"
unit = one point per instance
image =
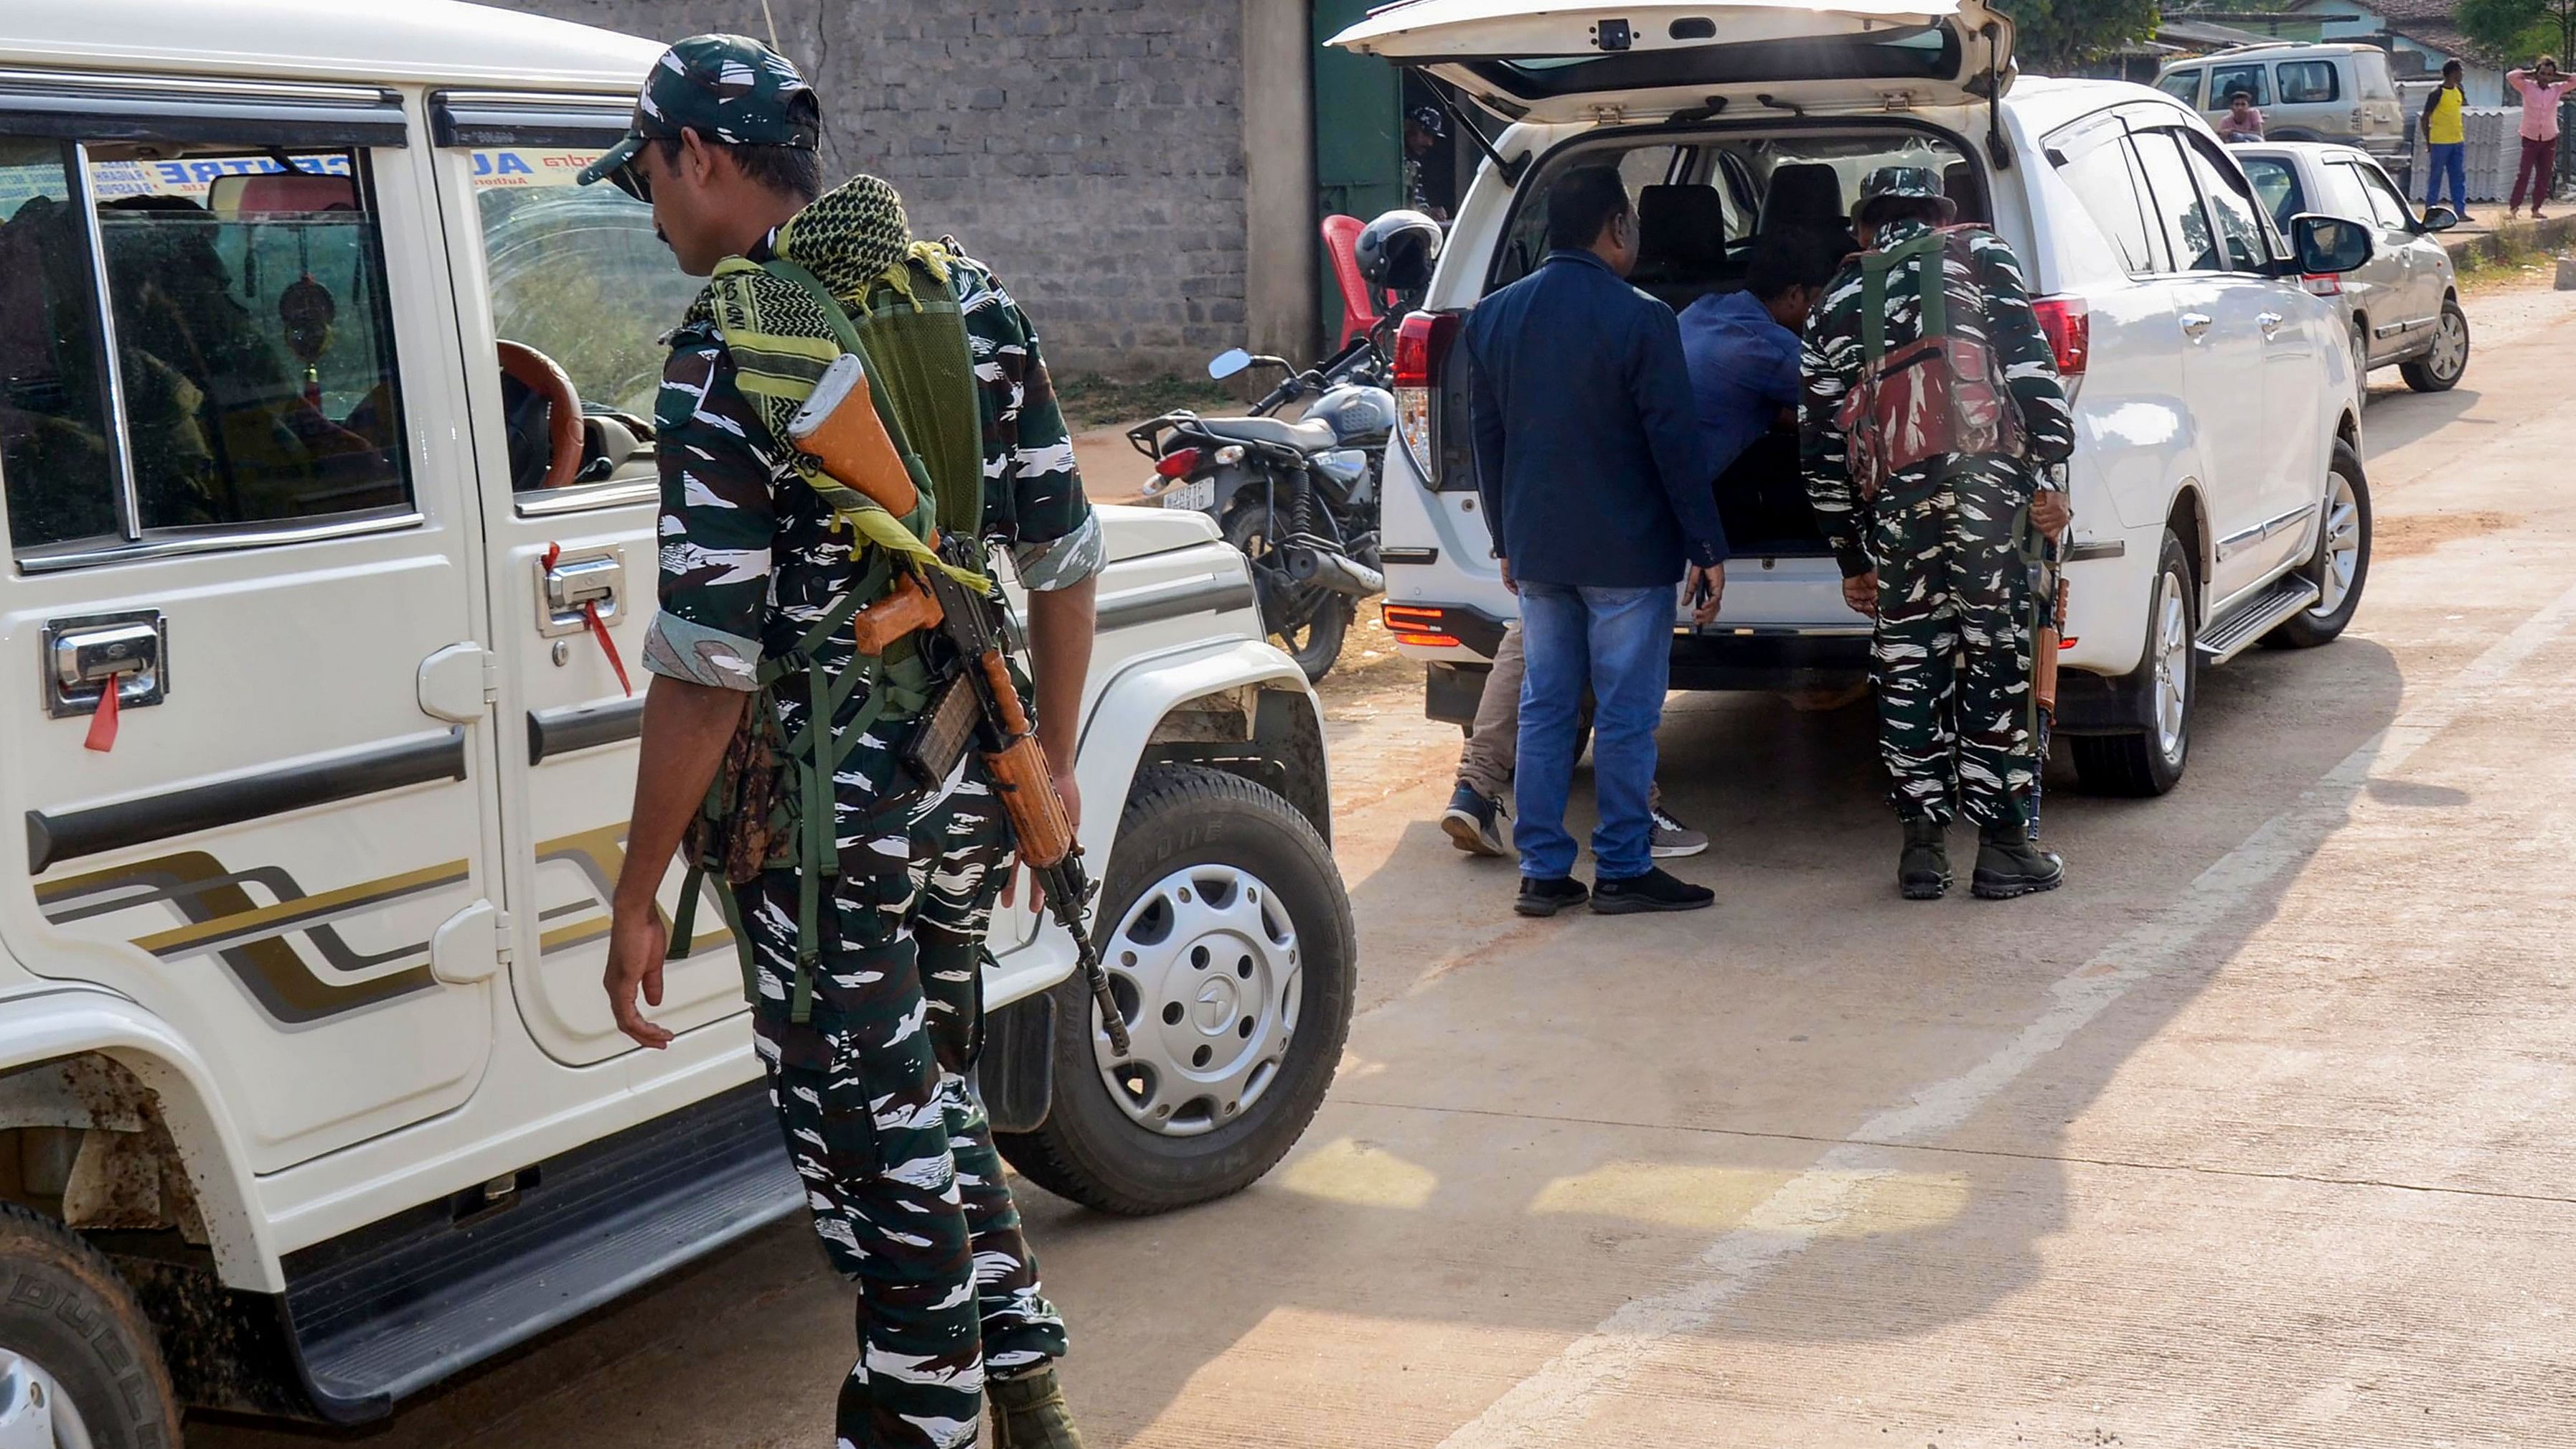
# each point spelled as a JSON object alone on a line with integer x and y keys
{"x": 1580, "y": 60}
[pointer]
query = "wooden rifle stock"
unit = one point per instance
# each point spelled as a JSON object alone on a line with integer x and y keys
{"x": 2045, "y": 643}
{"x": 839, "y": 428}
{"x": 908, "y": 607}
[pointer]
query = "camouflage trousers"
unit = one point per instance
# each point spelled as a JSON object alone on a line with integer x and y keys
{"x": 907, "y": 1193}
{"x": 1951, "y": 657}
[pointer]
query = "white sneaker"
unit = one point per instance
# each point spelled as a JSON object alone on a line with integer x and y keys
{"x": 1673, "y": 839}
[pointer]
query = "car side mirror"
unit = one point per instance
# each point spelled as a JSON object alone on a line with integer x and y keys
{"x": 2439, "y": 218}
{"x": 1227, "y": 363}
{"x": 2329, "y": 245}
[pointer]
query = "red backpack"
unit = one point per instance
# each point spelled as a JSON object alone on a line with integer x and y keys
{"x": 1933, "y": 396}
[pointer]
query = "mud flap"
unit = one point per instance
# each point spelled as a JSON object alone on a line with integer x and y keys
{"x": 1015, "y": 1076}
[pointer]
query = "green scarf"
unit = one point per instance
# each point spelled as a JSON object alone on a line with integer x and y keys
{"x": 893, "y": 291}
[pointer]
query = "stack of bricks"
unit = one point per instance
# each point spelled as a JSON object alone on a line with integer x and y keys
{"x": 1091, "y": 151}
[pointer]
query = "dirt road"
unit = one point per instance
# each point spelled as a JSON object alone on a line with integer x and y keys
{"x": 2257, "y": 1133}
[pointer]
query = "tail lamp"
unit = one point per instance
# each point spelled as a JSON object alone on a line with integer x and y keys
{"x": 1420, "y": 624}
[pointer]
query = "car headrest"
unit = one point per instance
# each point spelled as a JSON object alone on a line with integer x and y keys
{"x": 1680, "y": 229}
{"x": 1805, "y": 194}
{"x": 1959, "y": 183}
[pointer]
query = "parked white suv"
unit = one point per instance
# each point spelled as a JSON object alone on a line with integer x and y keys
{"x": 2218, "y": 489}
{"x": 309, "y": 1094}
{"x": 2307, "y": 92}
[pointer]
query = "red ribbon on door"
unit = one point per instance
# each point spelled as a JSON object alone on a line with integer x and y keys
{"x": 102, "y": 725}
{"x": 598, "y": 626}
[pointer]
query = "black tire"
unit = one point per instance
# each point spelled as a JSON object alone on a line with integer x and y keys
{"x": 2434, "y": 371}
{"x": 65, "y": 1310}
{"x": 1308, "y": 620}
{"x": 1089, "y": 1149}
{"x": 2360, "y": 360}
{"x": 2311, "y": 627}
{"x": 2138, "y": 763}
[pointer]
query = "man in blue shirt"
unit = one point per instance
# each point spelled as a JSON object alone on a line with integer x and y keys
{"x": 1742, "y": 349}
{"x": 1595, "y": 483}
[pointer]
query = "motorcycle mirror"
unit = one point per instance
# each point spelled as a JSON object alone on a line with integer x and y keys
{"x": 1227, "y": 363}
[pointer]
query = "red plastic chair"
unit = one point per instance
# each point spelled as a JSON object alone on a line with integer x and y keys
{"x": 1360, "y": 311}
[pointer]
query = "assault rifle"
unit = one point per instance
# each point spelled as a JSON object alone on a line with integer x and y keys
{"x": 2048, "y": 608}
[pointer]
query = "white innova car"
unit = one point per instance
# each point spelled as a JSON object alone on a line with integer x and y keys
{"x": 2217, "y": 476}
{"x": 309, "y": 1094}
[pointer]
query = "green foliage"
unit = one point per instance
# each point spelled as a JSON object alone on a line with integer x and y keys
{"x": 2521, "y": 29}
{"x": 2059, "y": 35}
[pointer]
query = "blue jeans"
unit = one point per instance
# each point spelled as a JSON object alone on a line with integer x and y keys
{"x": 2449, "y": 160}
{"x": 1621, "y": 641}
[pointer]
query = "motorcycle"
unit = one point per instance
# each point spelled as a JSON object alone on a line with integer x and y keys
{"x": 1300, "y": 499}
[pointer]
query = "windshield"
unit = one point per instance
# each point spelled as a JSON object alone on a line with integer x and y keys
{"x": 578, "y": 275}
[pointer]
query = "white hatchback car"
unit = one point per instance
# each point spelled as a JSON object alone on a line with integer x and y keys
{"x": 2218, "y": 488}
{"x": 2402, "y": 307}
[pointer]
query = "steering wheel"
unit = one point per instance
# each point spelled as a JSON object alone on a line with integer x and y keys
{"x": 541, "y": 375}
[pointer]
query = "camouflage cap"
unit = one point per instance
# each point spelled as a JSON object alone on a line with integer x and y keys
{"x": 728, "y": 88}
{"x": 1920, "y": 181}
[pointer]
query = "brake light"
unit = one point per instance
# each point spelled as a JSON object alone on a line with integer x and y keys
{"x": 1415, "y": 624}
{"x": 2069, "y": 328}
{"x": 1422, "y": 344}
{"x": 1179, "y": 463}
{"x": 2321, "y": 284}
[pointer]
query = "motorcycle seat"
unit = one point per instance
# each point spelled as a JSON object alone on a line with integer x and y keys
{"x": 1305, "y": 437}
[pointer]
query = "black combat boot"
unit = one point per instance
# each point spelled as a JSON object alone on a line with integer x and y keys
{"x": 2008, "y": 865}
{"x": 1029, "y": 1413}
{"x": 1923, "y": 870}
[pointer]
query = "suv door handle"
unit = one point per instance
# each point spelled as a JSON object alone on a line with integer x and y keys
{"x": 87, "y": 657}
{"x": 572, "y": 583}
{"x": 2195, "y": 325}
{"x": 2271, "y": 324}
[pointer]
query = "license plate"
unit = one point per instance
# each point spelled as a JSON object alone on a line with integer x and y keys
{"x": 1199, "y": 494}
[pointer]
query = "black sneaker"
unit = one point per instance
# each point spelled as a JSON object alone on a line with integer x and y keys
{"x": 1653, "y": 891}
{"x": 1473, "y": 822}
{"x": 1547, "y": 895}
{"x": 2008, "y": 865}
{"x": 1923, "y": 868}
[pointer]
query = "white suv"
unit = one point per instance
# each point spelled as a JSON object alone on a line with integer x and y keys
{"x": 326, "y": 459}
{"x": 2218, "y": 489}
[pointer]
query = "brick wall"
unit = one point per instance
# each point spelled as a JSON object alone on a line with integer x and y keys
{"x": 1090, "y": 150}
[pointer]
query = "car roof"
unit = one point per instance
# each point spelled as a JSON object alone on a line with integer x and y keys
{"x": 2315, "y": 150}
{"x": 2267, "y": 52}
{"x": 385, "y": 41}
{"x": 2045, "y": 103}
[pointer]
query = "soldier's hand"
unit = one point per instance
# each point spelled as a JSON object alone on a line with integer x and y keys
{"x": 637, "y": 944}
{"x": 1860, "y": 593}
{"x": 2050, "y": 512}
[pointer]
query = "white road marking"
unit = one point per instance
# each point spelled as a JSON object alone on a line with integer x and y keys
{"x": 1547, "y": 1408}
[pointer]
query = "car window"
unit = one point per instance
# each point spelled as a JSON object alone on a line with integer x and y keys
{"x": 2308, "y": 82}
{"x": 1525, "y": 243}
{"x": 2227, "y": 80}
{"x": 2276, "y": 186}
{"x": 2240, "y": 225}
{"x": 2174, "y": 203}
{"x": 2386, "y": 206}
{"x": 2342, "y": 194}
{"x": 2105, "y": 180}
{"x": 578, "y": 275}
{"x": 55, "y": 440}
{"x": 2182, "y": 85}
{"x": 2370, "y": 74}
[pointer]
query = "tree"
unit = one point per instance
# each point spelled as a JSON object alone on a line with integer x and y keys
{"x": 2059, "y": 35}
{"x": 2521, "y": 29}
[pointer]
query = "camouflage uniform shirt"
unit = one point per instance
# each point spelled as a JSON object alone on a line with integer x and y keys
{"x": 749, "y": 557}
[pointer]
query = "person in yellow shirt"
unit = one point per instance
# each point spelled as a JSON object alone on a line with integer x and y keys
{"x": 2446, "y": 141}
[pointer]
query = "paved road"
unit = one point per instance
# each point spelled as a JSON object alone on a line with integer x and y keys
{"x": 2258, "y": 1133}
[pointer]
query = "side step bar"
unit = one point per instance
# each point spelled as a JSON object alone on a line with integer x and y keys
{"x": 2251, "y": 620}
{"x": 395, "y": 1307}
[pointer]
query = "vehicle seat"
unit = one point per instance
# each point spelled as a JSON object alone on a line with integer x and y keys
{"x": 1303, "y": 436}
{"x": 1681, "y": 243}
{"x": 1809, "y": 195}
{"x": 1959, "y": 183}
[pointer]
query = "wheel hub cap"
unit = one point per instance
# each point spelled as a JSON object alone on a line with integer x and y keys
{"x": 2340, "y": 550}
{"x": 2173, "y": 663}
{"x": 35, "y": 1413}
{"x": 2450, "y": 346}
{"x": 1206, "y": 973}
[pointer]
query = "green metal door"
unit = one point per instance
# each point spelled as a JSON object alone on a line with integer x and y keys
{"x": 1359, "y": 168}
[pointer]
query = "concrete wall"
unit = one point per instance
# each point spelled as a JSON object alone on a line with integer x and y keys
{"x": 1091, "y": 150}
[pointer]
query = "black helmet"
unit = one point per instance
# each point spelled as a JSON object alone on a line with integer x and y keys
{"x": 1396, "y": 251}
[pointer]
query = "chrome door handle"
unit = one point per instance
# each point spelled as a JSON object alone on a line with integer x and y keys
{"x": 85, "y": 657}
{"x": 2271, "y": 323}
{"x": 2195, "y": 325}
{"x": 576, "y": 583}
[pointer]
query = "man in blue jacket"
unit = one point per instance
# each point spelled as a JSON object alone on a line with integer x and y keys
{"x": 1595, "y": 484}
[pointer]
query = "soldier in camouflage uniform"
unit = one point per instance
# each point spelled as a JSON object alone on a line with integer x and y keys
{"x": 907, "y": 1193}
{"x": 1936, "y": 556}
